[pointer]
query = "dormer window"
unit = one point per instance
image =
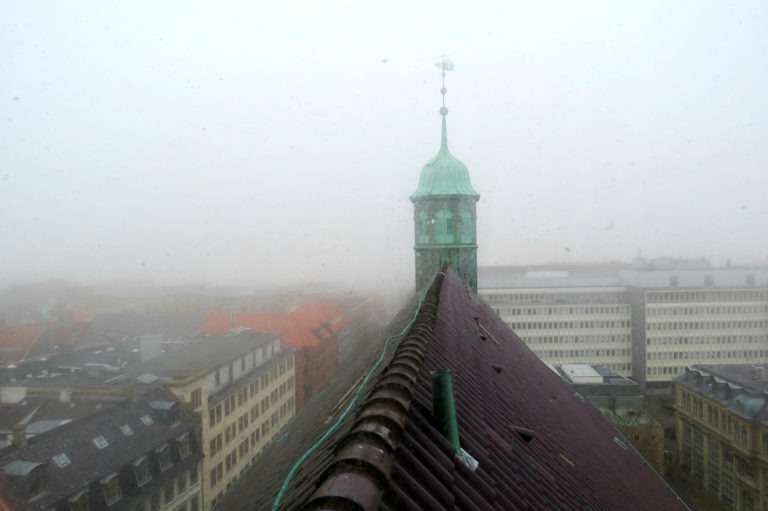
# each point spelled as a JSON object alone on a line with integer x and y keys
{"x": 80, "y": 501}
{"x": 185, "y": 446}
{"x": 29, "y": 476}
{"x": 141, "y": 471}
{"x": 164, "y": 457}
{"x": 111, "y": 487}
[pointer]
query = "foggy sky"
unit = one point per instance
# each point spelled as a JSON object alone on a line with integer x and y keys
{"x": 238, "y": 143}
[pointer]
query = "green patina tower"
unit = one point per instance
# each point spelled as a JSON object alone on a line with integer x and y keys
{"x": 444, "y": 213}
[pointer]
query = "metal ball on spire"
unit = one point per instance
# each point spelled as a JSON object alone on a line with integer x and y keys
{"x": 444, "y": 65}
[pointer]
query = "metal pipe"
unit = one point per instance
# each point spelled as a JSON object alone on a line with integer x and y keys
{"x": 444, "y": 406}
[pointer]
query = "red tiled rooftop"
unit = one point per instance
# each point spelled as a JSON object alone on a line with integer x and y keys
{"x": 306, "y": 326}
{"x": 19, "y": 339}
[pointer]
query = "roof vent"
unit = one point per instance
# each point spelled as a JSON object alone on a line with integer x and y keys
{"x": 525, "y": 433}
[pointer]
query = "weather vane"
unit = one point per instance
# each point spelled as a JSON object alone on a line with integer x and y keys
{"x": 444, "y": 65}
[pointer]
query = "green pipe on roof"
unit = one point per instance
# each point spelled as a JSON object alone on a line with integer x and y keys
{"x": 444, "y": 406}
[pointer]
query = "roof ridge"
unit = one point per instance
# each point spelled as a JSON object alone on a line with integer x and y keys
{"x": 363, "y": 457}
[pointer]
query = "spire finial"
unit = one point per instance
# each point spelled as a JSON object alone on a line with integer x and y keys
{"x": 444, "y": 65}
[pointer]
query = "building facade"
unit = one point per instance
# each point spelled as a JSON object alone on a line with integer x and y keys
{"x": 648, "y": 320}
{"x": 721, "y": 414}
{"x": 242, "y": 386}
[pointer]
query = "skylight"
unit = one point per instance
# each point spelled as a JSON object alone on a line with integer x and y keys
{"x": 61, "y": 460}
{"x": 100, "y": 442}
{"x": 147, "y": 420}
{"x": 126, "y": 430}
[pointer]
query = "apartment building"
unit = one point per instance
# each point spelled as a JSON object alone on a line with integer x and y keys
{"x": 139, "y": 455}
{"x": 565, "y": 316}
{"x": 721, "y": 416}
{"x": 243, "y": 387}
{"x": 648, "y": 320}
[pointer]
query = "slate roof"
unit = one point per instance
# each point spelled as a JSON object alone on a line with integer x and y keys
{"x": 88, "y": 463}
{"x": 539, "y": 445}
{"x": 741, "y": 387}
{"x": 37, "y": 409}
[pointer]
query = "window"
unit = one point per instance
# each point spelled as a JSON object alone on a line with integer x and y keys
{"x": 196, "y": 398}
{"x": 111, "y": 485}
{"x": 141, "y": 471}
{"x": 181, "y": 483}
{"x": 164, "y": 457}
{"x": 194, "y": 503}
{"x": 445, "y": 231}
{"x": 466, "y": 227}
{"x": 193, "y": 476}
{"x": 185, "y": 446}
{"x": 80, "y": 501}
{"x": 61, "y": 460}
{"x": 100, "y": 442}
{"x": 169, "y": 492}
{"x": 422, "y": 228}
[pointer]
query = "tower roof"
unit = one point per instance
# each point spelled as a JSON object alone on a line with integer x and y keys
{"x": 444, "y": 174}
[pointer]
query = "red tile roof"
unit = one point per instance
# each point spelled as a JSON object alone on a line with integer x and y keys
{"x": 306, "y": 326}
{"x": 18, "y": 340}
{"x": 539, "y": 445}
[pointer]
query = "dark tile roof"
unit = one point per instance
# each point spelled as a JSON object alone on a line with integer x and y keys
{"x": 202, "y": 356}
{"x": 84, "y": 462}
{"x": 539, "y": 445}
{"x": 34, "y": 409}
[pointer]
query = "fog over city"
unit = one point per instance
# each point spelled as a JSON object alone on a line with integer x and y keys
{"x": 256, "y": 144}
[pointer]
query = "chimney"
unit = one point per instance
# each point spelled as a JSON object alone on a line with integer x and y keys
{"x": 19, "y": 432}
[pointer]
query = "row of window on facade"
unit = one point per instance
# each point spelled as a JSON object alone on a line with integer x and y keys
{"x": 707, "y": 355}
{"x": 707, "y": 310}
{"x": 724, "y": 421}
{"x": 556, "y": 298}
{"x": 708, "y": 339}
{"x": 184, "y": 484}
{"x": 707, "y": 325}
{"x": 239, "y": 397}
{"x": 232, "y": 430}
{"x": 246, "y": 363}
{"x": 443, "y": 228}
{"x": 564, "y": 310}
{"x": 568, "y": 325}
{"x": 582, "y": 354}
{"x": 566, "y": 339}
{"x": 700, "y": 296}
{"x": 143, "y": 470}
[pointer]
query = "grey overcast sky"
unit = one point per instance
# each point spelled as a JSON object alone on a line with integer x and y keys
{"x": 262, "y": 143}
